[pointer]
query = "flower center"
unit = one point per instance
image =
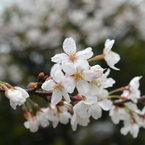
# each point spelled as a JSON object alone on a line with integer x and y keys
{"x": 96, "y": 82}
{"x": 111, "y": 53}
{"x": 57, "y": 87}
{"x": 78, "y": 76}
{"x": 72, "y": 57}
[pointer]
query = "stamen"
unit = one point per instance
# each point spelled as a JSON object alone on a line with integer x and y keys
{"x": 72, "y": 57}
{"x": 96, "y": 82}
{"x": 78, "y": 76}
{"x": 57, "y": 87}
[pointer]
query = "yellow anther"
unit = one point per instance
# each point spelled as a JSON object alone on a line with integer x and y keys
{"x": 72, "y": 57}
{"x": 97, "y": 83}
{"x": 57, "y": 87}
{"x": 78, "y": 76}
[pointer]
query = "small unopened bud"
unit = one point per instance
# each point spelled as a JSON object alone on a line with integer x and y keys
{"x": 40, "y": 76}
{"x": 32, "y": 85}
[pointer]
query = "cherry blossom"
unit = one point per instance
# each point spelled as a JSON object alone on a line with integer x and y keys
{"x": 32, "y": 124}
{"x": 133, "y": 91}
{"x": 93, "y": 73}
{"x": 57, "y": 86}
{"x": 110, "y": 57}
{"x": 131, "y": 126}
{"x": 41, "y": 117}
{"x": 58, "y": 114}
{"x": 117, "y": 114}
{"x": 103, "y": 100}
{"x": 78, "y": 75}
{"x": 70, "y": 55}
{"x": 17, "y": 96}
{"x": 97, "y": 85}
{"x": 93, "y": 107}
{"x": 80, "y": 116}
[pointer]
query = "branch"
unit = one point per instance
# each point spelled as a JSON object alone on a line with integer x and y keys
{"x": 121, "y": 103}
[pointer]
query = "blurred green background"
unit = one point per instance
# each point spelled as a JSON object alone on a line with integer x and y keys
{"x": 31, "y": 32}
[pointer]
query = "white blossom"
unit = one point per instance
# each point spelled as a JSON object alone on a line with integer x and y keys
{"x": 41, "y": 117}
{"x": 133, "y": 91}
{"x": 117, "y": 113}
{"x": 32, "y": 123}
{"x": 58, "y": 86}
{"x": 103, "y": 101}
{"x": 130, "y": 126}
{"x": 80, "y": 116}
{"x": 70, "y": 55}
{"x": 110, "y": 57}
{"x": 58, "y": 114}
{"x": 77, "y": 75}
{"x": 17, "y": 96}
{"x": 97, "y": 85}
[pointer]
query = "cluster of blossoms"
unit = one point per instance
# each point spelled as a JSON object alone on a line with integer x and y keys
{"x": 76, "y": 91}
{"x": 35, "y": 24}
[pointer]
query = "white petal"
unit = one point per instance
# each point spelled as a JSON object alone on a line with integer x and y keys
{"x": 68, "y": 83}
{"x": 84, "y": 121}
{"x": 124, "y": 130}
{"x": 48, "y": 85}
{"x": 65, "y": 95}
{"x": 13, "y": 104}
{"x": 112, "y": 58}
{"x": 131, "y": 106}
{"x": 133, "y": 98}
{"x": 59, "y": 58}
{"x": 55, "y": 123}
{"x": 134, "y": 130}
{"x": 42, "y": 119}
{"x": 56, "y": 73}
{"x": 27, "y": 124}
{"x": 34, "y": 126}
{"x": 44, "y": 123}
{"x": 81, "y": 65}
{"x": 69, "y": 68}
{"x": 105, "y": 104}
{"x": 104, "y": 94}
{"x": 69, "y": 46}
{"x": 89, "y": 75}
{"x": 24, "y": 93}
{"x": 95, "y": 110}
{"x": 97, "y": 113}
{"x": 115, "y": 118}
{"x": 108, "y": 45}
{"x": 91, "y": 100}
{"x": 13, "y": 95}
{"x": 107, "y": 72}
{"x": 64, "y": 117}
{"x": 56, "y": 97}
{"x": 108, "y": 83}
{"x": 74, "y": 122}
{"x": 85, "y": 54}
{"x": 134, "y": 83}
{"x": 95, "y": 90}
{"x": 56, "y": 69}
{"x": 80, "y": 109}
{"x": 82, "y": 87}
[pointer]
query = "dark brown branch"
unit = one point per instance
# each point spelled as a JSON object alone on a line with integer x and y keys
{"x": 120, "y": 103}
